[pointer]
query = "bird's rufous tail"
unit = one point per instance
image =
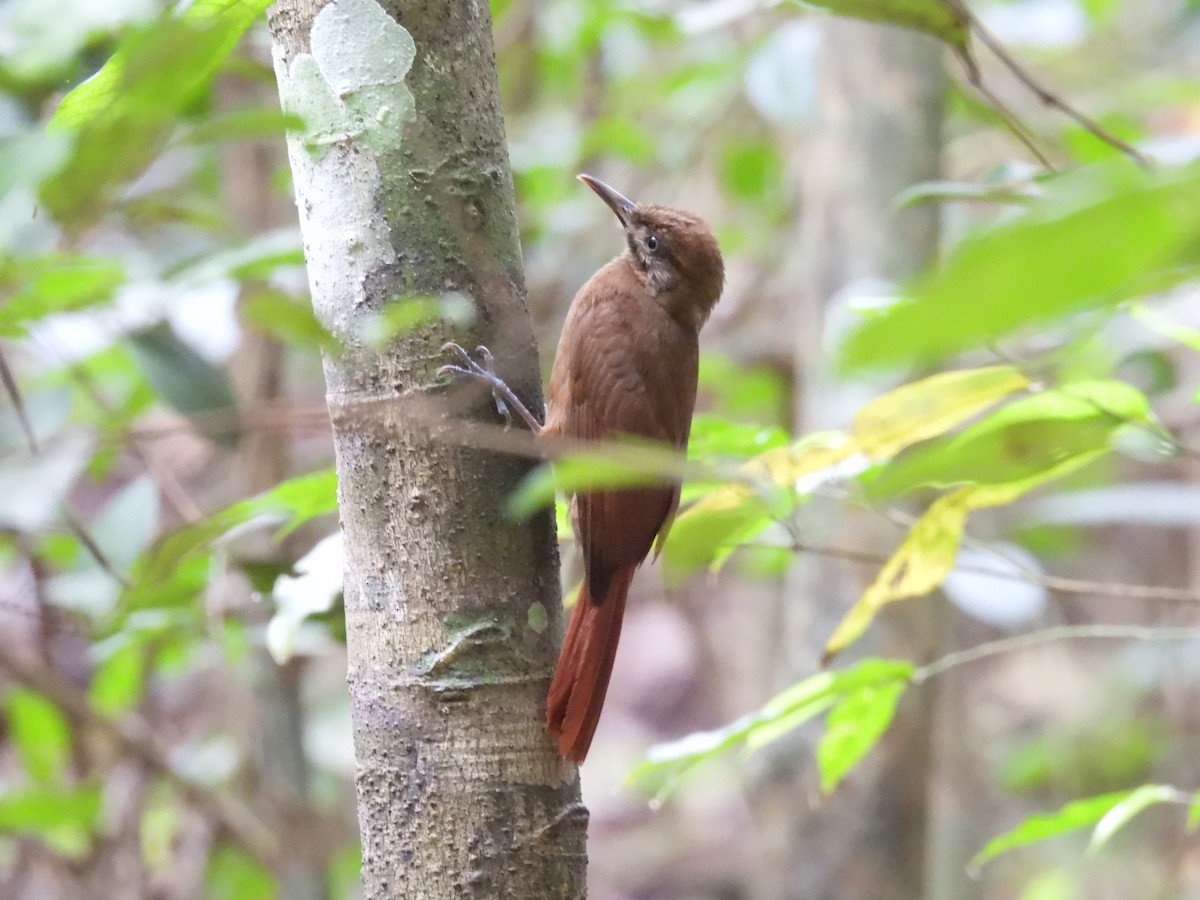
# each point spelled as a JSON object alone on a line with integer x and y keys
{"x": 584, "y": 666}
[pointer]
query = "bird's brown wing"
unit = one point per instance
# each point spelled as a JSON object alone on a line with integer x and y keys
{"x": 630, "y": 370}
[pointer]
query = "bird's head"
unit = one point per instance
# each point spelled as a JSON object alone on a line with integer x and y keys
{"x": 672, "y": 251}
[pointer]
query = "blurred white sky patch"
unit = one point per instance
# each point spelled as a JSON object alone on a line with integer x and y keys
{"x": 781, "y": 77}
{"x": 313, "y": 589}
{"x": 1036, "y": 23}
{"x": 1002, "y": 602}
{"x": 204, "y": 317}
{"x": 1165, "y": 504}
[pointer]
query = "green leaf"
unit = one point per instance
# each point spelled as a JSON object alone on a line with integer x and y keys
{"x": 57, "y": 282}
{"x": 1021, "y": 193}
{"x": 404, "y": 314}
{"x": 931, "y": 406}
{"x": 289, "y": 319}
{"x": 751, "y": 170}
{"x": 665, "y": 764}
{"x": 1042, "y": 435}
{"x": 259, "y": 257}
{"x": 181, "y": 377}
{"x": 119, "y": 681}
{"x": 768, "y": 490}
{"x": 1072, "y": 817}
{"x": 232, "y": 875}
{"x": 925, "y": 557}
{"x": 619, "y": 465}
{"x": 854, "y": 726}
{"x": 1100, "y": 236}
{"x": 121, "y": 115}
{"x": 1119, "y": 816}
{"x": 64, "y": 818}
{"x": 172, "y": 570}
{"x": 618, "y": 136}
{"x": 41, "y": 734}
{"x": 1193, "y": 817}
{"x": 934, "y": 17}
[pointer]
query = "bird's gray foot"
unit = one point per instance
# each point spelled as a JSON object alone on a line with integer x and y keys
{"x": 483, "y": 369}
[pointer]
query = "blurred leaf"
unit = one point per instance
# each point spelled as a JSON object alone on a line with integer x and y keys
{"x": 751, "y": 393}
{"x": 926, "y": 555}
{"x": 121, "y": 115}
{"x": 751, "y": 170}
{"x": 707, "y": 532}
{"x": 1052, "y": 431}
{"x": 405, "y": 314}
{"x": 716, "y": 436}
{"x": 1193, "y": 817}
{"x": 1021, "y": 193}
{"x": 1156, "y": 321}
{"x": 297, "y": 500}
{"x": 62, "y": 817}
{"x": 1122, "y": 813}
{"x": 41, "y": 734}
{"x": 159, "y": 829}
{"x": 175, "y": 568}
{"x": 629, "y": 463}
{"x": 1100, "y": 236}
{"x": 618, "y": 136}
{"x": 58, "y": 282}
{"x": 934, "y": 17}
{"x": 802, "y": 702}
{"x": 289, "y": 319}
{"x": 854, "y": 726}
{"x": 181, "y": 377}
{"x": 1072, "y": 817}
{"x": 932, "y": 406}
{"x": 232, "y": 875}
{"x": 257, "y": 257}
{"x": 119, "y": 681}
{"x": 252, "y": 123}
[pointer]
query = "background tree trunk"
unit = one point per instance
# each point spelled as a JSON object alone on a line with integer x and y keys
{"x": 880, "y": 103}
{"x": 404, "y": 188}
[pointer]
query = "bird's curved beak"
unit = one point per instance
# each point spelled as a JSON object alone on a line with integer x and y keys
{"x": 617, "y": 202}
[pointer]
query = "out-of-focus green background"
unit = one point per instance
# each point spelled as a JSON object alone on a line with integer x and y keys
{"x": 171, "y": 649}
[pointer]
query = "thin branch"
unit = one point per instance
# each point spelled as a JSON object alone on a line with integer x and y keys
{"x": 85, "y": 537}
{"x": 76, "y": 526}
{"x": 136, "y": 738}
{"x": 1050, "y": 635}
{"x": 1007, "y": 116}
{"x": 14, "y": 394}
{"x": 1039, "y": 90}
{"x": 1055, "y": 583}
{"x": 1049, "y": 98}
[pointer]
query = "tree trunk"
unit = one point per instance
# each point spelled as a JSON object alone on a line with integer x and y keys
{"x": 404, "y": 188}
{"x": 879, "y": 131}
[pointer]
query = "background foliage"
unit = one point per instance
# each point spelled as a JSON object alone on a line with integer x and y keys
{"x": 1014, "y": 428}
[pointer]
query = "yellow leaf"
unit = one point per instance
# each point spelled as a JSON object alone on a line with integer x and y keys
{"x": 930, "y": 407}
{"x": 923, "y": 559}
{"x": 780, "y": 467}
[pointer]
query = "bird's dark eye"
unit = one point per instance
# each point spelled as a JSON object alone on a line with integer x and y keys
{"x": 652, "y": 243}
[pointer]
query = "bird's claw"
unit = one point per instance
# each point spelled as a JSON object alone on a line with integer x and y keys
{"x": 484, "y": 370}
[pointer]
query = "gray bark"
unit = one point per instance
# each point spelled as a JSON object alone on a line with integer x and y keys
{"x": 404, "y": 188}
